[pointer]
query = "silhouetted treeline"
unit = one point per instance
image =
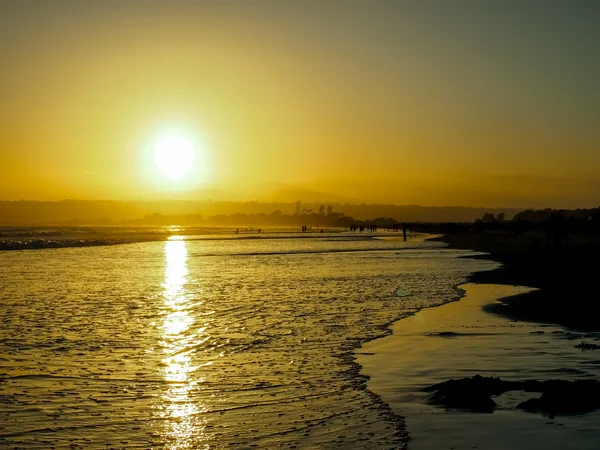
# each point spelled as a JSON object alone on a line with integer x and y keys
{"x": 557, "y": 224}
{"x": 84, "y": 212}
{"x": 542, "y": 215}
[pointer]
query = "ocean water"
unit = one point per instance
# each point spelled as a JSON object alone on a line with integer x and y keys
{"x": 209, "y": 343}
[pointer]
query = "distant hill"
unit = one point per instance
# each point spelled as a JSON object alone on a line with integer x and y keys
{"x": 79, "y": 212}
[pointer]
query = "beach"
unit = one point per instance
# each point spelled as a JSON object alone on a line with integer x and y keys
{"x": 321, "y": 225}
{"x": 459, "y": 340}
{"x": 284, "y": 340}
{"x": 513, "y": 322}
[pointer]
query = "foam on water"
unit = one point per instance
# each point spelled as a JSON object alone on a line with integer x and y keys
{"x": 157, "y": 344}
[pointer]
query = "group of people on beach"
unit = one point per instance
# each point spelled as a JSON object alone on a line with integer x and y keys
{"x": 354, "y": 228}
{"x": 373, "y": 228}
{"x": 251, "y": 230}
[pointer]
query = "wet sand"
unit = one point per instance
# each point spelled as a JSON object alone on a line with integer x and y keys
{"x": 461, "y": 339}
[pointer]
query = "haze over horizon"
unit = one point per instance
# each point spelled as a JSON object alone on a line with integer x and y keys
{"x": 473, "y": 103}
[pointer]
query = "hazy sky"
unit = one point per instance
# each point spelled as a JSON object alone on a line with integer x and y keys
{"x": 435, "y": 102}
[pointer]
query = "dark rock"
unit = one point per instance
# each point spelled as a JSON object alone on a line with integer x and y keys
{"x": 473, "y": 394}
{"x": 587, "y": 346}
{"x": 445, "y": 334}
{"x": 558, "y": 396}
{"x": 565, "y": 397}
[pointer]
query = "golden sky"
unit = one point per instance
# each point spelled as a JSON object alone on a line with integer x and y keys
{"x": 432, "y": 102}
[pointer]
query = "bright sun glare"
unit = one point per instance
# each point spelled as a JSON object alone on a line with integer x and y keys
{"x": 174, "y": 156}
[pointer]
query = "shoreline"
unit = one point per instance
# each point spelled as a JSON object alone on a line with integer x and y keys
{"x": 460, "y": 339}
{"x": 352, "y": 357}
{"x": 98, "y": 236}
{"x": 531, "y": 299}
{"x": 564, "y": 277}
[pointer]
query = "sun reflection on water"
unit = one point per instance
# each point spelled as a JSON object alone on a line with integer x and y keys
{"x": 184, "y": 427}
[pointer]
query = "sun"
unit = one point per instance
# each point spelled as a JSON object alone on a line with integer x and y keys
{"x": 174, "y": 156}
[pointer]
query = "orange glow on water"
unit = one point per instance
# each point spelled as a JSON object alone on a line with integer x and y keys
{"x": 181, "y": 411}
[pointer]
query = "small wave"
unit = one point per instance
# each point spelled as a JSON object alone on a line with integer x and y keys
{"x": 92, "y": 378}
{"x": 306, "y": 252}
{"x": 41, "y": 244}
{"x": 325, "y": 237}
